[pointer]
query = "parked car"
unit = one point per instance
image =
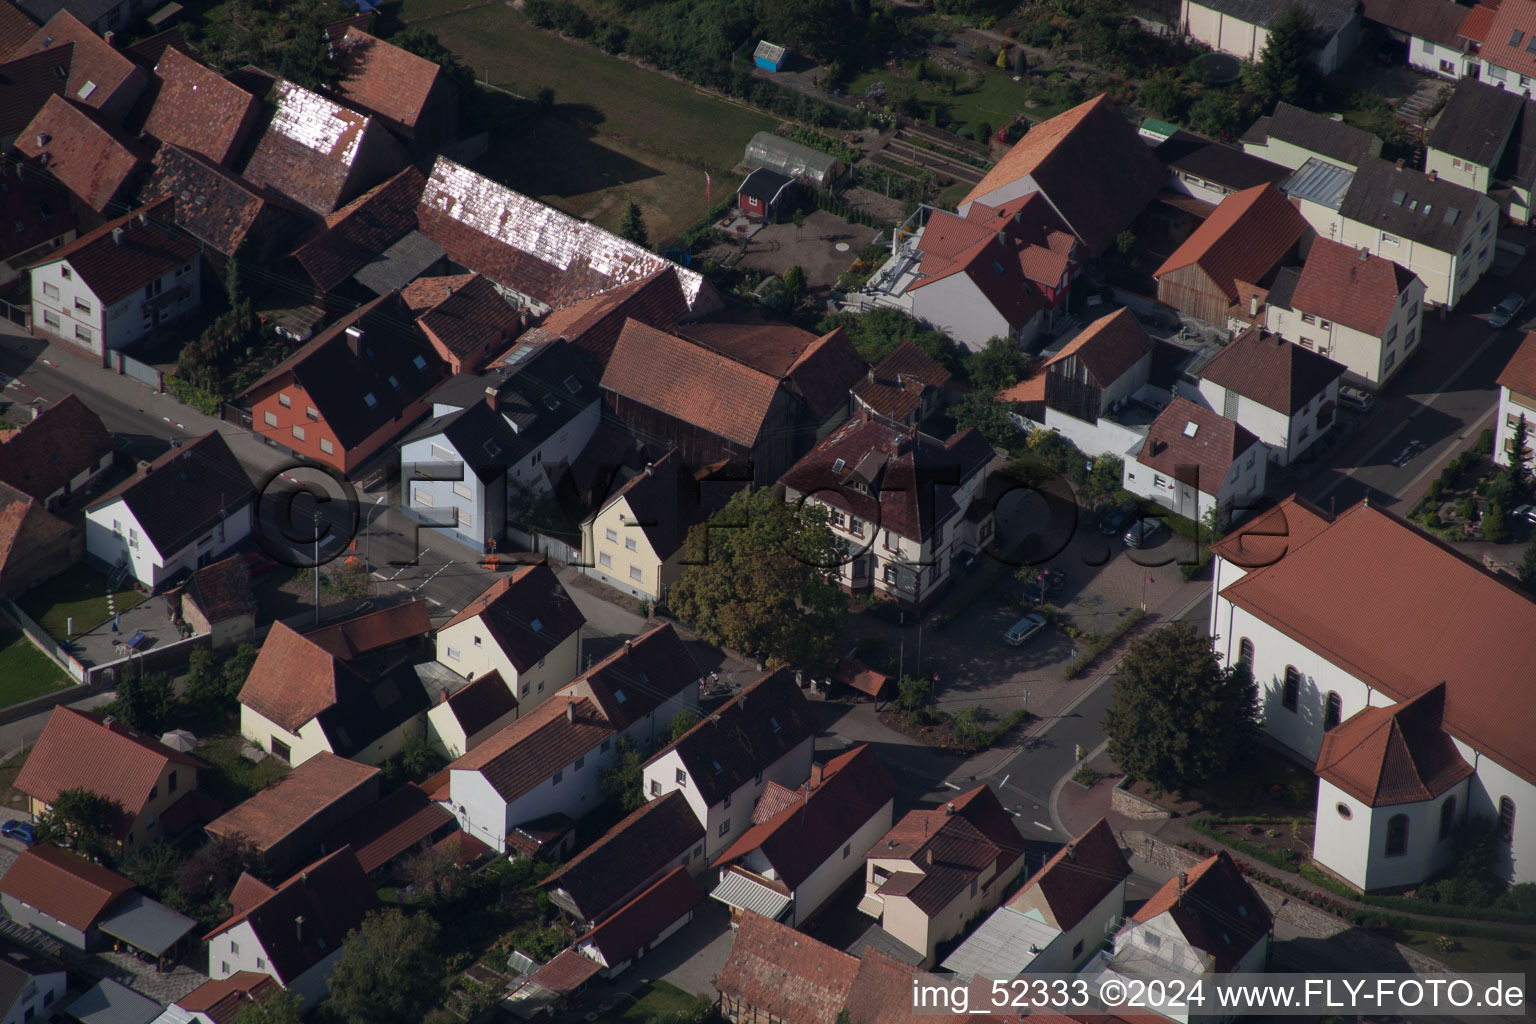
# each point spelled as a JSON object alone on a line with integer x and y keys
{"x": 1526, "y": 512}
{"x": 1355, "y": 398}
{"x": 1118, "y": 518}
{"x": 23, "y": 831}
{"x": 1505, "y": 311}
{"x": 1021, "y": 632}
{"x": 1144, "y": 532}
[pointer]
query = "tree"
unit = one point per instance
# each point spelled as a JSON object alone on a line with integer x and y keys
{"x": 1528, "y": 568}
{"x": 794, "y": 284}
{"x": 877, "y": 333}
{"x": 632, "y": 228}
{"x": 1177, "y": 717}
{"x": 349, "y": 581}
{"x": 205, "y": 878}
{"x": 1105, "y": 478}
{"x": 144, "y": 702}
{"x": 982, "y": 410}
{"x": 389, "y": 971}
{"x": 544, "y": 99}
{"x": 1020, "y": 62}
{"x": 237, "y": 668}
{"x": 912, "y": 696}
{"x": 430, "y": 869}
{"x": 1214, "y": 113}
{"x": 1285, "y": 69}
{"x": 681, "y": 723}
{"x": 1165, "y": 97}
{"x": 1002, "y": 57}
{"x": 1495, "y": 525}
{"x": 758, "y": 578}
{"x": 1519, "y": 453}
{"x": 307, "y": 57}
{"x": 281, "y": 1007}
{"x": 82, "y": 821}
{"x": 982, "y": 132}
{"x": 997, "y": 366}
{"x": 205, "y": 689}
{"x": 624, "y": 781}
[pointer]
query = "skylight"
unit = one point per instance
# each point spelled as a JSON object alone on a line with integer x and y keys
{"x": 572, "y": 385}
{"x": 644, "y": 678}
{"x": 1398, "y": 195}
{"x": 394, "y": 381}
{"x": 518, "y": 354}
{"x": 620, "y": 696}
{"x": 1515, "y": 37}
{"x": 773, "y": 722}
{"x": 492, "y": 449}
{"x": 1451, "y": 216}
{"x": 1530, "y": 46}
{"x": 718, "y": 767}
{"x": 369, "y": 400}
{"x": 537, "y": 625}
{"x": 86, "y": 90}
{"x": 420, "y": 363}
{"x": 552, "y": 401}
{"x": 1190, "y": 428}
{"x": 838, "y": 464}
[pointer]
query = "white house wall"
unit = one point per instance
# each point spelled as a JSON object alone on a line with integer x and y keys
{"x": 1355, "y": 847}
{"x": 1447, "y": 275}
{"x": 484, "y": 814}
{"x": 1512, "y": 408}
{"x": 1003, "y": 194}
{"x": 444, "y": 500}
{"x": 40, "y": 997}
{"x": 1517, "y": 859}
{"x": 1105, "y": 437}
{"x": 835, "y": 872}
{"x": 110, "y": 327}
{"x": 956, "y": 305}
{"x": 1433, "y": 58}
{"x": 457, "y": 649}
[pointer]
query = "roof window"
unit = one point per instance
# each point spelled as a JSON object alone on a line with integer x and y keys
{"x": 1190, "y": 428}
{"x": 552, "y": 401}
{"x": 838, "y": 464}
{"x": 1398, "y": 195}
{"x": 1451, "y": 216}
{"x": 1515, "y": 37}
{"x": 1530, "y": 46}
{"x": 537, "y": 625}
{"x": 419, "y": 363}
{"x": 492, "y": 449}
{"x": 394, "y": 381}
{"x": 369, "y": 400}
{"x": 86, "y": 90}
{"x": 620, "y": 696}
{"x": 718, "y": 767}
{"x": 774, "y": 722}
{"x": 572, "y": 385}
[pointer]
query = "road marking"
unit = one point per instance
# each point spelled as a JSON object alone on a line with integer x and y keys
{"x": 433, "y": 600}
{"x": 1041, "y": 824}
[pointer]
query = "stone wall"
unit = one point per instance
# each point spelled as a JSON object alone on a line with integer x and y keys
{"x": 1123, "y": 802}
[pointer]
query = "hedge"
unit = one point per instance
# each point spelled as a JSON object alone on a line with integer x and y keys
{"x": 1102, "y": 644}
{"x": 1371, "y": 918}
{"x": 1206, "y": 827}
{"x": 201, "y": 399}
{"x": 1412, "y": 905}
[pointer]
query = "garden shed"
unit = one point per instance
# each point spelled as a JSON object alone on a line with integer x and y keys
{"x": 764, "y": 194}
{"x": 817, "y": 169}
{"x": 769, "y": 56}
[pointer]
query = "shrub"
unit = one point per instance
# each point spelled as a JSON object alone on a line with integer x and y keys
{"x": 1432, "y": 520}
{"x": 1085, "y": 776}
{"x": 1484, "y": 443}
{"x": 1434, "y": 490}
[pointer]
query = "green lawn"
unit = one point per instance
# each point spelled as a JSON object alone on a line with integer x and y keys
{"x": 234, "y": 778}
{"x": 1491, "y": 956}
{"x": 79, "y": 593}
{"x": 25, "y": 671}
{"x": 618, "y": 130}
{"x": 995, "y": 101}
{"x": 655, "y": 999}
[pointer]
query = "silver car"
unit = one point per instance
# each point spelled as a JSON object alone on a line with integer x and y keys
{"x": 1505, "y": 311}
{"x": 1021, "y": 632}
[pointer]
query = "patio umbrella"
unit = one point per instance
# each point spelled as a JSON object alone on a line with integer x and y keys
{"x": 180, "y": 739}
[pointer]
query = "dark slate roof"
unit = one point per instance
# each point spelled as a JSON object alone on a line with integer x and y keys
{"x": 764, "y": 185}
{"x": 400, "y": 264}
{"x": 1214, "y": 161}
{"x": 745, "y": 736}
{"x": 340, "y": 383}
{"x": 1476, "y": 122}
{"x": 1394, "y": 200}
{"x": 18, "y": 966}
{"x": 599, "y": 878}
{"x": 354, "y": 235}
{"x": 1519, "y": 162}
{"x": 1315, "y": 133}
{"x": 668, "y": 498}
{"x": 539, "y": 394}
{"x": 1284, "y": 287}
{"x": 86, "y": 10}
{"x": 185, "y": 492}
{"x": 116, "y": 266}
{"x": 370, "y": 707}
{"x": 527, "y": 614}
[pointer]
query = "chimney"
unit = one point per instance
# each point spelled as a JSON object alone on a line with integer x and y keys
{"x": 890, "y": 844}
{"x": 43, "y": 138}
{"x": 110, "y": 37}
{"x": 490, "y": 393}
{"x": 1253, "y": 304}
{"x": 355, "y": 340}
{"x": 650, "y": 469}
{"x": 1399, "y": 165}
{"x": 298, "y": 924}
{"x": 871, "y": 374}
{"x": 117, "y": 235}
{"x": 1365, "y": 254}
{"x": 1434, "y": 175}
{"x": 442, "y": 696}
{"x": 143, "y": 218}
{"x": 629, "y": 645}
{"x": 816, "y": 775}
{"x": 1071, "y": 851}
{"x": 949, "y": 809}
{"x": 570, "y": 712}
{"x": 928, "y": 856}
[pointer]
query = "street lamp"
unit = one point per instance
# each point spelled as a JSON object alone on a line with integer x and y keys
{"x": 368, "y": 527}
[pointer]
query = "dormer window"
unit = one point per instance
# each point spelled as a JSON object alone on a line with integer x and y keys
{"x": 394, "y": 381}
{"x": 536, "y": 625}
{"x": 838, "y": 465}
{"x": 1191, "y": 428}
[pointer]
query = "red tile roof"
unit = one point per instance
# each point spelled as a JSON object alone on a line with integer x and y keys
{"x": 284, "y": 807}
{"x": 690, "y": 383}
{"x": 1478, "y": 23}
{"x": 317, "y": 152}
{"x": 1202, "y": 459}
{"x": 1350, "y": 286}
{"x": 636, "y": 924}
{"x": 292, "y": 681}
{"x": 26, "y": 527}
{"x": 470, "y": 323}
{"x": 223, "y": 589}
{"x": 1404, "y": 612}
{"x": 332, "y": 895}
{"x": 650, "y": 671}
{"x": 990, "y": 256}
{"x": 425, "y": 292}
{"x": 854, "y": 788}
{"x": 380, "y": 833}
{"x": 15, "y": 29}
{"x": 482, "y": 703}
{"x": 854, "y": 673}
{"x": 63, "y": 885}
{"x": 361, "y": 634}
{"x": 91, "y": 158}
{"x": 1250, "y": 232}
{"x": 1214, "y": 908}
{"x": 882, "y": 994}
{"x": 952, "y": 848}
{"x": 383, "y": 78}
{"x": 1265, "y": 540}
{"x": 1077, "y": 878}
{"x": 894, "y": 387}
{"x": 150, "y": 248}
{"x": 566, "y": 973}
{"x": 113, "y": 78}
{"x": 248, "y": 892}
{"x": 1102, "y": 352}
{"x": 34, "y": 208}
{"x": 592, "y": 325}
{"x": 528, "y": 752}
{"x": 224, "y": 1000}
{"x": 1269, "y": 370}
{"x": 784, "y": 974}
{"x": 80, "y": 751}
{"x": 524, "y": 244}
{"x": 1394, "y": 755}
{"x": 198, "y": 109}
{"x": 27, "y": 82}
{"x": 527, "y": 613}
{"x": 359, "y": 231}
{"x": 214, "y": 205}
{"x": 1519, "y": 374}
{"x": 885, "y": 476}
{"x": 1091, "y": 165}
{"x": 819, "y": 369}
{"x": 61, "y": 442}
{"x": 1508, "y": 36}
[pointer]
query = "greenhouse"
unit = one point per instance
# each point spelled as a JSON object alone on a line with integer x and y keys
{"x": 815, "y": 168}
